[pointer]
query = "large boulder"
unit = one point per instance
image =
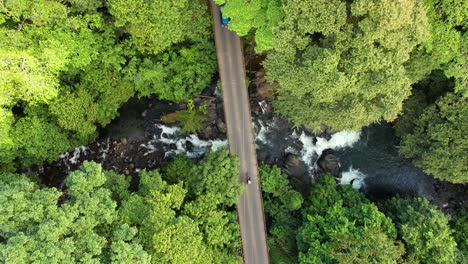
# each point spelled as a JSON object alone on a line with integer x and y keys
{"x": 329, "y": 163}
{"x": 221, "y": 126}
{"x": 294, "y": 166}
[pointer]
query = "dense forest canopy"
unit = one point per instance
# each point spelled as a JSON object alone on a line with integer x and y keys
{"x": 97, "y": 219}
{"x": 67, "y": 66}
{"x": 332, "y": 223}
{"x": 344, "y": 65}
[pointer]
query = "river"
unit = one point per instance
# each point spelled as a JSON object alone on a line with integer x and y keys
{"x": 369, "y": 159}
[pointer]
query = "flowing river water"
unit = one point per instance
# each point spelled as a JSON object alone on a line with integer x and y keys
{"x": 368, "y": 159}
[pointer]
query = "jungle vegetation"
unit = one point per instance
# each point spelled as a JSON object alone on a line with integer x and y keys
{"x": 183, "y": 215}
{"x": 67, "y": 66}
{"x": 343, "y": 65}
{"x": 330, "y": 223}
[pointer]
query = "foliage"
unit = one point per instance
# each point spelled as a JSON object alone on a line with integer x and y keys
{"x": 341, "y": 226}
{"x": 258, "y": 15}
{"x": 77, "y": 62}
{"x": 444, "y": 46}
{"x": 6, "y": 140}
{"x": 192, "y": 118}
{"x": 281, "y": 204}
{"x": 29, "y": 135}
{"x": 34, "y": 229}
{"x": 413, "y": 106}
{"x": 217, "y": 174}
{"x": 460, "y": 234}
{"x": 178, "y": 225}
{"x": 177, "y": 73}
{"x": 99, "y": 220}
{"x": 423, "y": 229}
{"x": 343, "y": 65}
{"x": 156, "y": 25}
{"x": 178, "y": 169}
{"x": 438, "y": 142}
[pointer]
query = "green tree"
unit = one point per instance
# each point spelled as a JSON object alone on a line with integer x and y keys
{"x": 447, "y": 19}
{"x": 260, "y": 16}
{"x": 154, "y": 26}
{"x": 178, "y": 169}
{"x": 34, "y": 228}
{"x": 177, "y": 228}
{"x": 424, "y": 230}
{"x": 36, "y": 139}
{"x": 192, "y": 118}
{"x": 460, "y": 234}
{"x": 76, "y": 62}
{"x": 6, "y": 141}
{"x": 438, "y": 142}
{"x": 281, "y": 204}
{"x": 177, "y": 74}
{"x": 99, "y": 220}
{"x": 217, "y": 174}
{"x": 343, "y": 66}
{"x": 341, "y": 226}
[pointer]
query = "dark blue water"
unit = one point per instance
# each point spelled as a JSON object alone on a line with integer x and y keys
{"x": 377, "y": 156}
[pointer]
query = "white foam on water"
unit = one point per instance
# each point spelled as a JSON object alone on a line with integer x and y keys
{"x": 291, "y": 150}
{"x": 170, "y": 136}
{"x": 308, "y": 149}
{"x": 168, "y": 130}
{"x": 77, "y": 153}
{"x": 261, "y": 135}
{"x": 338, "y": 140}
{"x": 216, "y": 144}
{"x": 150, "y": 146}
{"x": 353, "y": 177}
{"x": 263, "y": 105}
{"x": 104, "y": 150}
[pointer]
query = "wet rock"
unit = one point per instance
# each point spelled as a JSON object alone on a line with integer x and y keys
{"x": 325, "y": 132}
{"x": 265, "y": 89}
{"x": 208, "y": 132}
{"x": 124, "y": 141}
{"x": 173, "y": 146}
{"x": 221, "y": 126}
{"x": 188, "y": 145}
{"x": 294, "y": 166}
{"x": 329, "y": 163}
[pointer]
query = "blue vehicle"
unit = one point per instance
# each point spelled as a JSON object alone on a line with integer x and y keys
{"x": 224, "y": 20}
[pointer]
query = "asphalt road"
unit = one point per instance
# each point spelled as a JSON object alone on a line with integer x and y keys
{"x": 241, "y": 140}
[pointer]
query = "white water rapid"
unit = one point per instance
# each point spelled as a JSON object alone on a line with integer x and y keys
{"x": 173, "y": 144}
{"x": 310, "y": 151}
{"x": 353, "y": 177}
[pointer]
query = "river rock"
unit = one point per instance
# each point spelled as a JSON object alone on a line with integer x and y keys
{"x": 208, "y": 132}
{"x": 294, "y": 166}
{"x": 329, "y": 163}
{"x": 188, "y": 145}
{"x": 265, "y": 89}
{"x": 221, "y": 126}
